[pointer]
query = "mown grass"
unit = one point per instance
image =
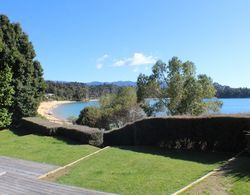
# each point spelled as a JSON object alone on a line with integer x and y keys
{"x": 127, "y": 170}
{"x": 141, "y": 170}
{"x": 41, "y": 148}
{"x": 239, "y": 177}
{"x": 233, "y": 179}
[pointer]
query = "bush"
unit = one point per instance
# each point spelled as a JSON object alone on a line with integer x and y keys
{"x": 248, "y": 140}
{"x": 90, "y": 116}
{"x": 83, "y": 134}
{"x": 115, "y": 110}
{"x": 215, "y": 133}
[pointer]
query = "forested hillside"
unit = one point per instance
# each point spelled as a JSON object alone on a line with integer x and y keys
{"x": 224, "y": 91}
{"x": 80, "y": 91}
{"x": 76, "y": 91}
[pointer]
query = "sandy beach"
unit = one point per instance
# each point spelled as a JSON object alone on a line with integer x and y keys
{"x": 45, "y": 109}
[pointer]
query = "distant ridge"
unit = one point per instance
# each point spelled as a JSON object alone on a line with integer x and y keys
{"x": 223, "y": 91}
{"x": 78, "y": 88}
{"x": 117, "y": 83}
{"x": 98, "y": 83}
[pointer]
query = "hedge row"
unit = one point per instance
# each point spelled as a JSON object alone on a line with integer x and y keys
{"x": 213, "y": 133}
{"x": 82, "y": 134}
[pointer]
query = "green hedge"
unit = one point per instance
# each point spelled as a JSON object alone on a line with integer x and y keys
{"x": 82, "y": 134}
{"x": 212, "y": 133}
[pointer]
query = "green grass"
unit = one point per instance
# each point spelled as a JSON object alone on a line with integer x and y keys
{"x": 235, "y": 180}
{"x": 240, "y": 176}
{"x": 141, "y": 170}
{"x": 41, "y": 148}
{"x": 128, "y": 170}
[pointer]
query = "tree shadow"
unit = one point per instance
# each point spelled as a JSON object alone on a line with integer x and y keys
{"x": 23, "y": 132}
{"x": 239, "y": 168}
{"x": 20, "y": 132}
{"x": 187, "y": 155}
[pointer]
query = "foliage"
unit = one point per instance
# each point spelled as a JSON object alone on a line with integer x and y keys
{"x": 141, "y": 170}
{"x": 42, "y": 149}
{"x": 177, "y": 89}
{"x": 82, "y": 134}
{"x": 6, "y": 92}
{"x": 115, "y": 110}
{"x": 229, "y": 92}
{"x": 211, "y": 133}
{"x": 66, "y": 90}
{"x": 90, "y": 116}
{"x": 18, "y": 54}
{"x": 77, "y": 91}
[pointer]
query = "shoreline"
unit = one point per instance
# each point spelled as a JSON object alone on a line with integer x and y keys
{"x": 45, "y": 109}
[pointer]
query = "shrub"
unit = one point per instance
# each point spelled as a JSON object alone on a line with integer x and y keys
{"x": 115, "y": 110}
{"x": 90, "y": 116}
{"x": 82, "y": 134}
{"x": 215, "y": 133}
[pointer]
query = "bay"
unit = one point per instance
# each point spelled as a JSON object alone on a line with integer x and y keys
{"x": 230, "y": 106}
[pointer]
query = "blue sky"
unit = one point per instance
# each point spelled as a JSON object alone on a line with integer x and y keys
{"x": 110, "y": 40}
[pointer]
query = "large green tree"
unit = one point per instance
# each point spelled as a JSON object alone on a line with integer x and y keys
{"x": 6, "y": 92}
{"x": 115, "y": 110}
{"x": 27, "y": 75}
{"x": 177, "y": 88}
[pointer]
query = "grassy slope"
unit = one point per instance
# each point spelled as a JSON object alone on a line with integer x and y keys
{"x": 240, "y": 176}
{"x": 135, "y": 172}
{"x": 123, "y": 171}
{"x": 41, "y": 148}
{"x": 235, "y": 180}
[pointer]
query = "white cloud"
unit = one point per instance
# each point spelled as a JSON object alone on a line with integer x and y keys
{"x": 99, "y": 66}
{"x": 136, "y": 69}
{"x": 100, "y": 61}
{"x": 104, "y": 57}
{"x": 137, "y": 60}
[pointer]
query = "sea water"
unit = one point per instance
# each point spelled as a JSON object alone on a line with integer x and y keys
{"x": 230, "y": 106}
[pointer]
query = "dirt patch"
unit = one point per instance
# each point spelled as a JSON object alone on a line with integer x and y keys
{"x": 53, "y": 176}
{"x": 214, "y": 184}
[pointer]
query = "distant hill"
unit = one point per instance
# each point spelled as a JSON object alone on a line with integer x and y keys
{"x": 117, "y": 83}
{"x": 78, "y": 91}
{"x": 224, "y": 91}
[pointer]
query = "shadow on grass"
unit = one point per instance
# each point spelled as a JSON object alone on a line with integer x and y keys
{"x": 240, "y": 168}
{"x": 22, "y": 132}
{"x": 187, "y": 155}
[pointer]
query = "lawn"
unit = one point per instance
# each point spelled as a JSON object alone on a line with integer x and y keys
{"x": 41, "y": 148}
{"x": 234, "y": 179}
{"x": 126, "y": 170}
{"x": 239, "y": 177}
{"x": 141, "y": 170}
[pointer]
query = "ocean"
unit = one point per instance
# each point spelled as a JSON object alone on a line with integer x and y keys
{"x": 230, "y": 106}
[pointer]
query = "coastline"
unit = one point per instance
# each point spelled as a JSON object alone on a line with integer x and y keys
{"x": 45, "y": 109}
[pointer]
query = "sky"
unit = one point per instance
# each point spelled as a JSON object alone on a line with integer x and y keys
{"x": 116, "y": 40}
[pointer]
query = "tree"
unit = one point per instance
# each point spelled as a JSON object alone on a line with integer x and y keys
{"x": 90, "y": 116}
{"x": 6, "y": 89}
{"x": 27, "y": 76}
{"x": 115, "y": 110}
{"x": 177, "y": 88}
{"x": 6, "y": 92}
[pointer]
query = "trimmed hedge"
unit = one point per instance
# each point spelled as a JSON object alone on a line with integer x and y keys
{"x": 210, "y": 133}
{"x": 82, "y": 134}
